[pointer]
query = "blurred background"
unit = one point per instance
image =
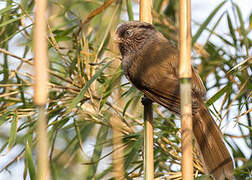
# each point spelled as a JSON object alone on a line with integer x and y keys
{"x": 95, "y": 127}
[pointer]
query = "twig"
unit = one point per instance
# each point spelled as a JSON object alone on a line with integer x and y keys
{"x": 95, "y": 12}
{"x": 13, "y": 55}
{"x": 8, "y": 94}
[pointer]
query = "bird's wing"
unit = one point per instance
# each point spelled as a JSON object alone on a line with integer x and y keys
{"x": 157, "y": 80}
{"x": 198, "y": 87}
{"x": 155, "y": 73}
{"x": 169, "y": 99}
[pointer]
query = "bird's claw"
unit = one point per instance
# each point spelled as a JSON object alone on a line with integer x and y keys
{"x": 145, "y": 100}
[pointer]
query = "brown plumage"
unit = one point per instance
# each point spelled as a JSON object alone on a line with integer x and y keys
{"x": 150, "y": 63}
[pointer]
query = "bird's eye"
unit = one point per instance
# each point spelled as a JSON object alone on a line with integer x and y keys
{"x": 128, "y": 33}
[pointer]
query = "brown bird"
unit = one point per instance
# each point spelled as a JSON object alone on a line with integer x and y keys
{"x": 151, "y": 64}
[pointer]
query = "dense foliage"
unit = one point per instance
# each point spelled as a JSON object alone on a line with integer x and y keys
{"x": 93, "y": 111}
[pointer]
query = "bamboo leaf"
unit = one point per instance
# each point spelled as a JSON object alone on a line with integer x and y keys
{"x": 77, "y": 130}
{"x": 72, "y": 67}
{"x": 79, "y": 97}
{"x": 100, "y": 139}
{"x": 129, "y": 10}
{"x": 244, "y": 125}
{"x": 243, "y": 30}
{"x": 129, "y": 91}
{"x": 85, "y": 131}
{"x": 10, "y": 21}
{"x": 127, "y": 105}
{"x": 231, "y": 29}
{"x": 248, "y": 60}
{"x": 13, "y": 131}
{"x": 218, "y": 94}
{"x": 204, "y": 177}
{"x": 3, "y": 117}
{"x": 247, "y": 165}
{"x": 206, "y": 22}
{"x": 54, "y": 172}
{"x": 29, "y": 161}
{"x": 21, "y": 89}
{"x": 104, "y": 173}
{"x": 212, "y": 30}
{"x": 7, "y": 8}
{"x": 16, "y": 32}
{"x": 157, "y": 4}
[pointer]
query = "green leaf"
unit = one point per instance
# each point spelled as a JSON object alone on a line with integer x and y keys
{"x": 203, "y": 177}
{"x": 219, "y": 94}
{"x": 85, "y": 131}
{"x": 79, "y": 97}
{"x": 21, "y": 89}
{"x": 16, "y": 32}
{"x": 3, "y": 117}
{"x": 132, "y": 89}
{"x": 127, "y": 105}
{"x": 5, "y": 9}
{"x": 54, "y": 171}
{"x": 207, "y": 21}
{"x": 215, "y": 25}
{"x": 100, "y": 139}
{"x": 243, "y": 30}
{"x": 10, "y": 21}
{"x": 248, "y": 61}
{"x": 246, "y": 165}
{"x": 104, "y": 173}
{"x": 130, "y": 11}
{"x": 231, "y": 29}
{"x": 29, "y": 161}
{"x": 250, "y": 128}
{"x": 77, "y": 130}
{"x": 13, "y": 131}
{"x": 157, "y": 4}
{"x": 135, "y": 144}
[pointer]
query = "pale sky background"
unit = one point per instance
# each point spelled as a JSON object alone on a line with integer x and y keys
{"x": 200, "y": 11}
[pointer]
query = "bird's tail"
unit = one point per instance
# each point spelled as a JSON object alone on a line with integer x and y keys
{"x": 216, "y": 157}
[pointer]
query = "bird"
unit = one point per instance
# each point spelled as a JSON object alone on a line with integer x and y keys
{"x": 151, "y": 63}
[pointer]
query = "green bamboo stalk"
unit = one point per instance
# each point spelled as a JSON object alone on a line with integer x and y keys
{"x": 42, "y": 161}
{"x": 185, "y": 73}
{"x": 41, "y": 87}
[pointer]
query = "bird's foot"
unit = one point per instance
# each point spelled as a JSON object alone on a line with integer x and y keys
{"x": 145, "y": 100}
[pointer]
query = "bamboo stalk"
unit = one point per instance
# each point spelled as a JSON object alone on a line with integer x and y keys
{"x": 41, "y": 87}
{"x": 145, "y": 11}
{"x": 185, "y": 73}
{"x": 146, "y": 16}
{"x": 118, "y": 161}
{"x": 148, "y": 142}
{"x": 40, "y": 48}
{"x": 42, "y": 160}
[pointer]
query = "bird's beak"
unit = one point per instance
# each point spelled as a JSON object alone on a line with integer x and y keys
{"x": 116, "y": 38}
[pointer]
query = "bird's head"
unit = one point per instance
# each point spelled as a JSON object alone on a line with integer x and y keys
{"x": 132, "y": 36}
